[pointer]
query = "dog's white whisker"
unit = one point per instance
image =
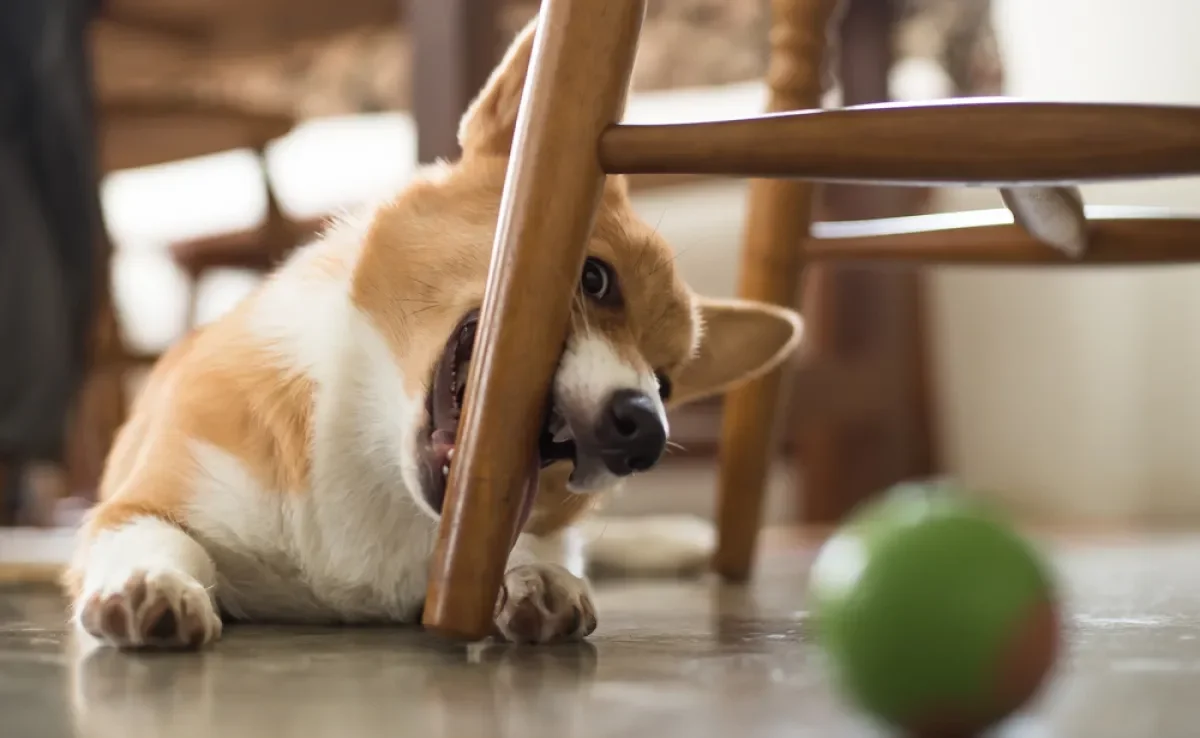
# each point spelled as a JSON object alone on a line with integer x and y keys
{"x": 584, "y": 325}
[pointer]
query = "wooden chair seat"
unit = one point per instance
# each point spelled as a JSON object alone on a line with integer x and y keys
{"x": 244, "y": 250}
{"x": 568, "y": 138}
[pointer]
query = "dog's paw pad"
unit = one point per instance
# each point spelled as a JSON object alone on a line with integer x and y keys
{"x": 543, "y": 603}
{"x": 150, "y": 609}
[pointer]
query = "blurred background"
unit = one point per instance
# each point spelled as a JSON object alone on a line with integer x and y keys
{"x": 225, "y": 132}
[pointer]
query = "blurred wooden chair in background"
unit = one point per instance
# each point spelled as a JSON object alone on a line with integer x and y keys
{"x": 145, "y": 55}
{"x": 167, "y": 89}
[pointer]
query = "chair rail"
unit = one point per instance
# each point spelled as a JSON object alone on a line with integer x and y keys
{"x": 1116, "y": 236}
{"x": 989, "y": 142}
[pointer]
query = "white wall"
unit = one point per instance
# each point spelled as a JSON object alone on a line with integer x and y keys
{"x": 1071, "y": 395}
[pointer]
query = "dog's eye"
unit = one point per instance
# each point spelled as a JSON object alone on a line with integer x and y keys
{"x": 599, "y": 283}
{"x": 664, "y": 385}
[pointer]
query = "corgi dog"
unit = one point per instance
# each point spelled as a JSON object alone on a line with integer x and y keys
{"x": 287, "y": 462}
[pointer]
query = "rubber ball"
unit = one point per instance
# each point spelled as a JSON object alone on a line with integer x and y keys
{"x": 936, "y": 616}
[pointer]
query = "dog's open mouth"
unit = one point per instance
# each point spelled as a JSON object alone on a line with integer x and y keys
{"x": 444, "y": 406}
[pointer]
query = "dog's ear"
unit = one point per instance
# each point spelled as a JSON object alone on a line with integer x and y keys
{"x": 488, "y": 125}
{"x": 742, "y": 340}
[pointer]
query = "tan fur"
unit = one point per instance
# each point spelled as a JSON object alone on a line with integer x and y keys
{"x": 440, "y": 265}
{"x": 188, "y": 397}
{"x": 556, "y": 507}
{"x": 742, "y": 341}
{"x": 488, "y": 126}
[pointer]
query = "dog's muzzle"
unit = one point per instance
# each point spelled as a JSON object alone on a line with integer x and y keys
{"x": 631, "y": 434}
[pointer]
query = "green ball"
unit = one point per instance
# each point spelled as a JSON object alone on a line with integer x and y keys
{"x": 936, "y": 616}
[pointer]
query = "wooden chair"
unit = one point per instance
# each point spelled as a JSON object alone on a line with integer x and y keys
{"x": 568, "y": 139}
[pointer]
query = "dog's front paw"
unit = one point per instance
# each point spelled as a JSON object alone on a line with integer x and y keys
{"x": 150, "y": 609}
{"x": 543, "y": 603}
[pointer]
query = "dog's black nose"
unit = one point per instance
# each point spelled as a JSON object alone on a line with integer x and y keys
{"x": 631, "y": 432}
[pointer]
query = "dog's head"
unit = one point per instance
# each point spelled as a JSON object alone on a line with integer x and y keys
{"x": 639, "y": 339}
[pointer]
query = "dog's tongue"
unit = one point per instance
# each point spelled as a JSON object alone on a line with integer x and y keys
{"x": 442, "y": 441}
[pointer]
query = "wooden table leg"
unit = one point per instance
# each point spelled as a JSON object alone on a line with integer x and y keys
{"x": 580, "y": 69}
{"x": 772, "y": 259}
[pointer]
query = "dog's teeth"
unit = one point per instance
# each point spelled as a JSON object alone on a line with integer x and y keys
{"x": 450, "y": 455}
{"x": 446, "y": 470}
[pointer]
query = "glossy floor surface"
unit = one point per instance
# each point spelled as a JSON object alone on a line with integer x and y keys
{"x": 669, "y": 659}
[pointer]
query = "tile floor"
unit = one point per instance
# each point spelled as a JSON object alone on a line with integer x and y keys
{"x": 669, "y": 659}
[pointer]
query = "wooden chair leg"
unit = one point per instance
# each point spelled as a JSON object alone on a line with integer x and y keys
{"x": 870, "y": 319}
{"x": 455, "y": 45}
{"x": 865, "y": 317}
{"x": 580, "y": 70}
{"x": 778, "y": 218}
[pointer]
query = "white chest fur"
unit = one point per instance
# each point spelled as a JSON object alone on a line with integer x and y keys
{"x": 354, "y": 553}
{"x": 354, "y": 546}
